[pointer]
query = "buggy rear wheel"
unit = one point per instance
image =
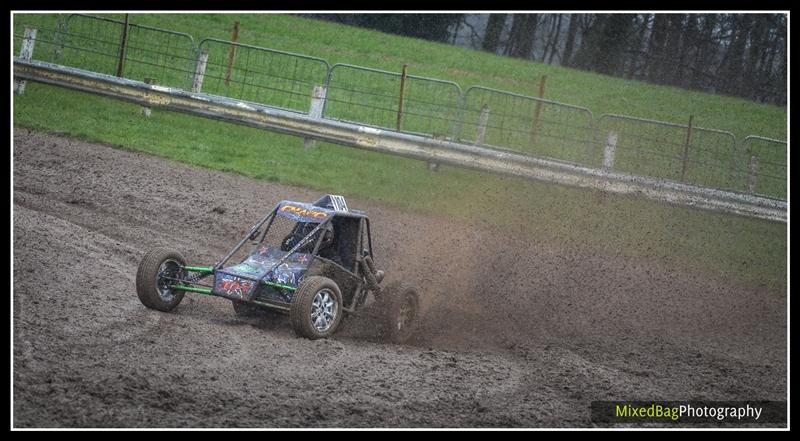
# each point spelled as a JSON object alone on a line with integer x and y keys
{"x": 153, "y": 279}
{"x": 399, "y": 305}
{"x": 316, "y": 309}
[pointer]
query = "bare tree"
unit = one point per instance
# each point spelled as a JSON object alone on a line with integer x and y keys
{"x": 552, "y": 40}
{"x": 566, "y": 58}
{"x": 494, "y": 28}
{"x": 704, "y": 45}
{"x": 733, "y": 64}
{"x": 520, "y": 39}
{"x": 656, "y": 48}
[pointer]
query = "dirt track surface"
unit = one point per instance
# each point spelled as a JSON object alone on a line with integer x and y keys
{"x": 514, "y": 333}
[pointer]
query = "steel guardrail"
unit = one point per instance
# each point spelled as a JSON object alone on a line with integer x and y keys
{"x": 401, "y": 144}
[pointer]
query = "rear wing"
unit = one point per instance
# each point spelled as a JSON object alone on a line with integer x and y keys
{"x": 337, "y": 204}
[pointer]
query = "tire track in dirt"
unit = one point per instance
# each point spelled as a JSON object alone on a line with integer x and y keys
{"x": 514, "y": 332}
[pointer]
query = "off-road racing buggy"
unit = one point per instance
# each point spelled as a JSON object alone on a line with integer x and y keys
{"x": 312, "y": 261}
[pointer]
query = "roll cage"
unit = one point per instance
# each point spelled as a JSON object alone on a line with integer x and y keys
{"x": 349, "y": 259}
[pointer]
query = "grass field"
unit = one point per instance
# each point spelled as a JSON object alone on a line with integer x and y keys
{"x": 344, "y": 44}
{"x": 725, "y": 246}
{"x": 433, "y": 108}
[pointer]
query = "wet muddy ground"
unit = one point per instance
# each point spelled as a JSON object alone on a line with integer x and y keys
{"x": 515, "y": 333}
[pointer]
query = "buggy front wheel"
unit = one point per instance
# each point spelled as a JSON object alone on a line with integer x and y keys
{"x": 156, "y": 275}
{"x": 316, "y": 308}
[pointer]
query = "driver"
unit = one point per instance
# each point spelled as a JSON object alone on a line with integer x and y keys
{"x": 303, "y": 230}
{"x": 326, "y": 248}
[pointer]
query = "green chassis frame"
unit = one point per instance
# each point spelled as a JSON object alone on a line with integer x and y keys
{"x": 207, "y": 271}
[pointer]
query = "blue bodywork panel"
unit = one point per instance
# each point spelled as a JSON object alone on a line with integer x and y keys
{"x": 243, "y": 281}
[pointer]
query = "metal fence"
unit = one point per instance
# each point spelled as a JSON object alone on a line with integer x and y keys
{"x": 669, "y": 151}
{"x": 132, "y": 51}
{"x": 392, "y": 100}
{"x": 413, "y": 104}
{"x": 529, "y": 125}
{"x": 763, "y": 164}
{"x": 261, "y": 75}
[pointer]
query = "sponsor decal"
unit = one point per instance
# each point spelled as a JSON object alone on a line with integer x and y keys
{"x": 246, "y": 268}
{"x": 304, "y": 212}
{"x": 234, "y": 286}
{"x": 284, "y": 275}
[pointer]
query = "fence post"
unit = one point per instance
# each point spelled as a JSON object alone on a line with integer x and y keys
{"x": 200, "y": 72}
{"x": 146, "y": 111}
{"x": 315, "y": 111}
{"x": 61, "y": 32}
{"x": 25, "y": 53}
{"x": 402, "y": 92}
{"x": 752, "y": 175}
{"x": 434, "y": 166}
{"x": 610, "y": 150}
{"x": 123, "y": 45}
{"x": 232, "y": 53}
{"x": 483, "y": 120}
{"x": 459, "y": 118}
{"x": 737, "y": 157}
{"x": 686, "y": 148}
{"x": 591, "y": 141}
{"x": 537, "y": 111}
